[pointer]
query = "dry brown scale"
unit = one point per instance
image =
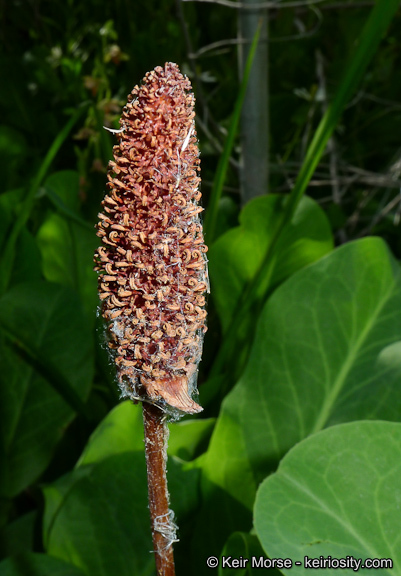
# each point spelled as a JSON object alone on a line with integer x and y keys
{"x": 152, "y": 265}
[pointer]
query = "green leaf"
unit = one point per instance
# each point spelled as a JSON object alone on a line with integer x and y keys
{"x": 46, "y": 324}
{"x": 336, "y": 494}
{"x": 67, "y": 254}
{"x": 218, "y": 516}
{"x": 37, "y": 565}
{"x": 9, "y": 202}
{"x": 55, "y": 494}
{"x": 227, "y": 214}
{"x": 230, "y": 468}
{"x": 18, "y": 536}
{"x": 235, "y": 547}
{"x": 210, "y": 390}
{"x": 120, "y": 431}
{"x": 109, "y": 498}
{"x": 243, "y": 547}
{"x": 67, "y": 242}
{"x": 63, "y": 187}
{"x": 228, "y": 490}
{"x": 236, "y": 256}
{"x": 27, "y": 265}
{"x": 7, "y": 261}
{"x": 183, "y": 484}
{"x": 113, "y": 534}
{"x": 112, "y": 467}
{"x": 327, "y": 350}
{"x": 187, "y": 437}
{"x": 13, "y": 147}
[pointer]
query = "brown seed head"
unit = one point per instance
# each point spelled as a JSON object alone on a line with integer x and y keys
{"x": 152, "y": 265}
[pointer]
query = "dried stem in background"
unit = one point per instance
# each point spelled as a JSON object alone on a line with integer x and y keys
{"x": 254, "y": 171}
{"x": 331, "y": 144}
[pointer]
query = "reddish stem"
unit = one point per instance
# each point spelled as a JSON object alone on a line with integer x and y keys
{"x": 163, "y": 527}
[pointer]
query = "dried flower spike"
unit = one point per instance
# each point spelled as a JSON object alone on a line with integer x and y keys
{"x": 152, "y": 265}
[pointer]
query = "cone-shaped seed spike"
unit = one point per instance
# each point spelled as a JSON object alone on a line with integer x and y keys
{"x": 152, "y": 265}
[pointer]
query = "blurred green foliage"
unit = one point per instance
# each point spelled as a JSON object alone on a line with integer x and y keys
{"x": 316, "y": 350}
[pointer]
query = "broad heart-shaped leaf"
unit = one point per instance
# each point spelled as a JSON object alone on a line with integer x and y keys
{"x": 47, "y": 321}
{"x": 327, "y": 350}
{"x": 236, "y": 256}
{"x": 37, "y": 565}
{"x": 336, "y": 494}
